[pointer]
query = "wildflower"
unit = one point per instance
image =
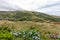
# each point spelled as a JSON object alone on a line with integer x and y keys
{"x": 19, "y": 33}
{"x": 15, "y": 33}
{"x": 24, "y": 35}
{"x": 35, "y": 37}
{"x": 30, "y": 33}
{"x": 24, "y": 32}
{"x": 58, "y": 36}
{"x": 38, "y": 39}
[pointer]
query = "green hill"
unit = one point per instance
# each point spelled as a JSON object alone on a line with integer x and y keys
{"x": 27, "y": 16}
{"x": 26, "y": 25}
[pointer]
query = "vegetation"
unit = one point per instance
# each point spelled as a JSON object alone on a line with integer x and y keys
{"x": 24, "y": 30}
{"x": 27, "y": 16}
{"x": 28, "y": 25}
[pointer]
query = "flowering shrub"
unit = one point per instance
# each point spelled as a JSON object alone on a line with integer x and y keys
{"x": 27, "y": 35}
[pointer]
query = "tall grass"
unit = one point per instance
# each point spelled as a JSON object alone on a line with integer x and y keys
{"x": 24, "y": 30}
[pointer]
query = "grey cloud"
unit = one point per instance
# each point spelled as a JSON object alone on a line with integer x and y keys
{"x": 49, "y": 5}
{"x": 54, "y": 10}
{"x": 9, "y": 6}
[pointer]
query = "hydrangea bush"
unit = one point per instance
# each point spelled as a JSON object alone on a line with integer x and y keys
{"x": 27, "y": 35}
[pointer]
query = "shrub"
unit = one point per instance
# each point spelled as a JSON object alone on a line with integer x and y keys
{"x": 27, "y": 35}
{"x": 4, "y": 34}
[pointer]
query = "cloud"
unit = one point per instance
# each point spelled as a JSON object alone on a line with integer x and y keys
{"x": 6, "y": 5}
{"x": 53, "y": 10}
{"x": 45, "y": 6}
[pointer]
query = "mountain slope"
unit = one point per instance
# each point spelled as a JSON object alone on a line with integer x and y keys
{"x": 27, "y": 16}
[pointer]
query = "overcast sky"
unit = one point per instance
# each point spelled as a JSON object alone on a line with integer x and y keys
{"x": 46, "y": 6}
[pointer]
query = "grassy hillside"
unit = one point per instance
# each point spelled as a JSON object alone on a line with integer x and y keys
{"x": 28, "y": 25}
{"x": 27, "y": 16}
